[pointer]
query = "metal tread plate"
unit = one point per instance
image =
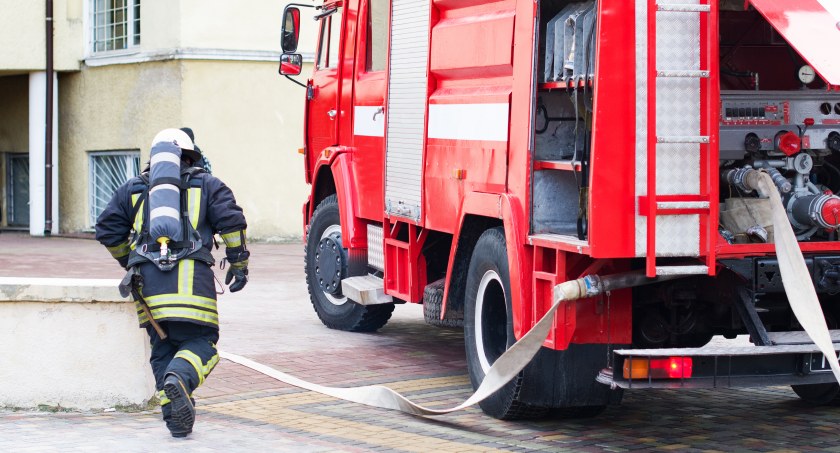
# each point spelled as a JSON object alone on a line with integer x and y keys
{"x": 365, "y": 290}
{"x": 798, "y": 338}
{"x": 559, "y": 241}
{"x": 711, "y": 351}
{"x": 682, "y": 270}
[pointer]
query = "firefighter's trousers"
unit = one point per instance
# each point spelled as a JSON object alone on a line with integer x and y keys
{"x": 189, "y": 351}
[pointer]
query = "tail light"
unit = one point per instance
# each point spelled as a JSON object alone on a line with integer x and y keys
{"x": 666, "y": 368}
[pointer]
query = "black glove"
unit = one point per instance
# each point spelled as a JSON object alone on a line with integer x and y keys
{"x": 123, "y": 261}
{"x": 238, "y": 272}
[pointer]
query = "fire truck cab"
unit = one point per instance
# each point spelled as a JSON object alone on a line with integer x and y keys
{"x": 472, "y": 155}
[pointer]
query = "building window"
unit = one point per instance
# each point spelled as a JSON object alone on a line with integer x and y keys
{"x": 108, "y": 171}
{"x": 379, "y": 11}
{"x": 116, "y": 24}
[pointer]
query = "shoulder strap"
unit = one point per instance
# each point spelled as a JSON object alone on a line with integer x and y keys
{"x": 143, "y": 195}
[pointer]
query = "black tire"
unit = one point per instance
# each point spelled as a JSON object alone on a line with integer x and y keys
{"x": 578, "y": 412}
{"x": 488, "y": 325}
{"x": 333, "y": 309}
{"x": 818, "y": 394}
{"x": 432, "y": 304}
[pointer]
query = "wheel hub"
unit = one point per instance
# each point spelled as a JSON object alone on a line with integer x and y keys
{"x": 490, "y": 320}
{"x": 330, "y": 260}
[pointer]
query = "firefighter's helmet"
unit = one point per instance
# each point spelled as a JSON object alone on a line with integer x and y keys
{"x": 180, "y": 139}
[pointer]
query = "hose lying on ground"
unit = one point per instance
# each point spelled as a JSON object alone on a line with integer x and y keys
{"x": 795, "y": 277}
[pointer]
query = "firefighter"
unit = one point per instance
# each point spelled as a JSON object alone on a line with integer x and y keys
{"x": 174, "y": 289}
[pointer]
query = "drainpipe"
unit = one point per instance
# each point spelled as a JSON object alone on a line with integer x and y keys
{"x": 49, "y": 120}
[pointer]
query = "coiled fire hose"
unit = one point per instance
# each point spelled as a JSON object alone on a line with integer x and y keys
{"x": 795, "y": 277}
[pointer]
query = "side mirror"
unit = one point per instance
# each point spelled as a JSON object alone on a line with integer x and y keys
{"x": 290, "y": 30}
{"x": 291, "y": 64}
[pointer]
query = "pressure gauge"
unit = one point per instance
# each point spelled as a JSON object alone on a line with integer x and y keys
{"x": 807, "y": 74}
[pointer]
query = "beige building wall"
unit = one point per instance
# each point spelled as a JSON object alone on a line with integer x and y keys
{"x": 249, "y": 122}
{"x": 23, "y": 35}
{"x": 117, "y": 107}
{"x": 211, "y": 65}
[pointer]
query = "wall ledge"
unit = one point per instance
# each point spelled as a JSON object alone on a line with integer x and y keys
{"x": 188, "y": 53}
{"x": 58, "y": 290}
{"x": 73, "y": 343}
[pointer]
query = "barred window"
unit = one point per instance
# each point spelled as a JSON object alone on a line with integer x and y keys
{"x": 116, "y": 24}
{"x": 108, "y": 171}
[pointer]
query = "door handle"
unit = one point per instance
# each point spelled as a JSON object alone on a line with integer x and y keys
{"x": 379, "y": 111}
{"x": 332, "y": 113}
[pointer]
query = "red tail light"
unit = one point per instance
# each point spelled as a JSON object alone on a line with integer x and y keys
{"x": 671, "y": 368}
{"x": 668, "y": 368}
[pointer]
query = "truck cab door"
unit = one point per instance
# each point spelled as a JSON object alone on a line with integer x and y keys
{"x": 369, "y": 105}
{"x": 324, "y": 88}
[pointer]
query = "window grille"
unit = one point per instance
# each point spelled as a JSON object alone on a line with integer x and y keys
{"x": 108, "y": 171}
{"x": 116, "y": 24}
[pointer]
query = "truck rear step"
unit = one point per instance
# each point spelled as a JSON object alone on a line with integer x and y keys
{"x": 793, "y": 360}
{"x": 365, "y": 290}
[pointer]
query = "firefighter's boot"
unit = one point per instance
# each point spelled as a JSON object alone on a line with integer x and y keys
{"x": 176, "y": 429}
{"x": 181, "y": 406}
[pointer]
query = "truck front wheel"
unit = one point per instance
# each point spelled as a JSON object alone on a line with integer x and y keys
{"x": 326, "y": 264}
{"x": 488, "y": 325}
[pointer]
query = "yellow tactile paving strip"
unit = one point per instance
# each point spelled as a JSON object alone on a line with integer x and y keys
{"x": 282, "y": 411}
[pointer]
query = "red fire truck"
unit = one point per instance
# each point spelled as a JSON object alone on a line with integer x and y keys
{"x": 470, "y": 155}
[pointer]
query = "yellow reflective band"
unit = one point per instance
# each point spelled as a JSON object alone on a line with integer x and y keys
{"x": 186, "y": 274}
{"x": 194, "y": 203}
{"x": 181, "y": 299}
{"x": 163, "y": 399}
{"x": 193, "y": 360}
{"x": 233, "y": 239}
{"x": 141, "y": 315}
{"x": 119, "y": 251}
{"x": 185, "y": 313}
{"x": 201, "y": 369}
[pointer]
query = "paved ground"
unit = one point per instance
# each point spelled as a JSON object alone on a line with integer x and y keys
{"x": 271, "y": 321}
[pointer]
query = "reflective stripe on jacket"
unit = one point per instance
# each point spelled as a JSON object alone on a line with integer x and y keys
{"x": 186, "y": 293}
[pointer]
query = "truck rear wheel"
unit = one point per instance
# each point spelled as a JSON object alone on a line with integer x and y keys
{"x": 433, "y": 303}
{"x": 818, "y": 394}
{"x": 326, "y": 264}
{"x": 488, "y": 325}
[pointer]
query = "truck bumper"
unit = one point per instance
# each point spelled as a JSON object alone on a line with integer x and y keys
{"x": 792, "y": 360}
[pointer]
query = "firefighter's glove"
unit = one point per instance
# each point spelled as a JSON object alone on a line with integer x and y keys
{"x": 238, "y": 273}
{"x": 123, "y": 262}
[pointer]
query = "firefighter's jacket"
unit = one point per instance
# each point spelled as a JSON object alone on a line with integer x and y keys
{"x": 187, "y": 292}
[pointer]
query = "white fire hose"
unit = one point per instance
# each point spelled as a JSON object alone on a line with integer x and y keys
{"x": 795, "y": 277}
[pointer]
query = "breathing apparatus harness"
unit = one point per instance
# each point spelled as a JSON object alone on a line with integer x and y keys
{"x": 172, "y": 238}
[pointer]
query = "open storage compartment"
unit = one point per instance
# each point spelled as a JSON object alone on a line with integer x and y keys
{"x": 563, "y": 112}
